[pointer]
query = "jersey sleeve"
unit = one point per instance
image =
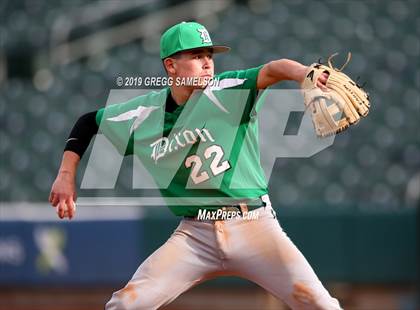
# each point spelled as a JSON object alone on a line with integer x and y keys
{"x": 243, "y": 79}
{"x": 115, "y": 122}
{"x": 249, "y": 75}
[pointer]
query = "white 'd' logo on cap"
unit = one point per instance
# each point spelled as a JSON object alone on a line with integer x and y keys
{"x": 204, "y": 35}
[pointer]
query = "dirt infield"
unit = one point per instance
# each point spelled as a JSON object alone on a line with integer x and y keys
{"x": 358, "y": 297}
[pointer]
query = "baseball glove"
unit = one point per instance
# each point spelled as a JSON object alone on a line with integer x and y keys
{"x": 335, "y": 110}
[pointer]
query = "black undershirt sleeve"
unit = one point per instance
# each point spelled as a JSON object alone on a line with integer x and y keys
{"x": 81, "y": 134}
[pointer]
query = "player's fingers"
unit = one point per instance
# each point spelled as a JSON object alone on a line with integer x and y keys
{"x": 321, "y": 86}
{"x": 51, "y": 197}
{"x": 71, "y": 208}
{"x": 323, "y": 78}
{"x": 55, "y": 200}
{"x": 61, "y": 207}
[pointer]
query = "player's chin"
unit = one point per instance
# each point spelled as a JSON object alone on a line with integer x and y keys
{"x": 199, "y": 86}
{"x": 204, "y": 82}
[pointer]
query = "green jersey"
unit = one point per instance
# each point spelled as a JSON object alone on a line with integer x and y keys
{"x": 201, "y": 153}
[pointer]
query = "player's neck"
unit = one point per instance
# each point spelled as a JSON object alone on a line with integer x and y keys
{"x": 181, "y": 94}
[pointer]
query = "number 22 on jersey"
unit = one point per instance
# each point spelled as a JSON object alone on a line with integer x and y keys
{"x": 217, "y": 166}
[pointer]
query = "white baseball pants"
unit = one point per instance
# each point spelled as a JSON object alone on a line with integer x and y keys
{"x": 258, "y": 250}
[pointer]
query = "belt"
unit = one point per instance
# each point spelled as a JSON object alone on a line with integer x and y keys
{"x": 241, "y": 208}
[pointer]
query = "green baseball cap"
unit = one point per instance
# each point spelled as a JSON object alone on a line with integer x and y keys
{"x": 187, "y": 36}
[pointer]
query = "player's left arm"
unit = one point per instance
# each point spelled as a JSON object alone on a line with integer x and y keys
{"x": 285, "y": 70}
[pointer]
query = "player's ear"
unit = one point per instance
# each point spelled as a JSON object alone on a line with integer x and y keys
{"x": 170, "y": 65}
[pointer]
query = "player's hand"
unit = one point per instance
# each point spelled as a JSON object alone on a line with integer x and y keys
{"x": 322, "y": 81}
{"x": 63, "y": 195}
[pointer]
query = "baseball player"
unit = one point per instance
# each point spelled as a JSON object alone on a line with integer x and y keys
{"x": 201, "y": 132}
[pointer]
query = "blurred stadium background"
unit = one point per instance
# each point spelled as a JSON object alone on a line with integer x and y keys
{"x": 352, "y": 209}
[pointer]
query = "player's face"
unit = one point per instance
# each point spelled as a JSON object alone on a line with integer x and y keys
{"x": 197, "y": 63}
